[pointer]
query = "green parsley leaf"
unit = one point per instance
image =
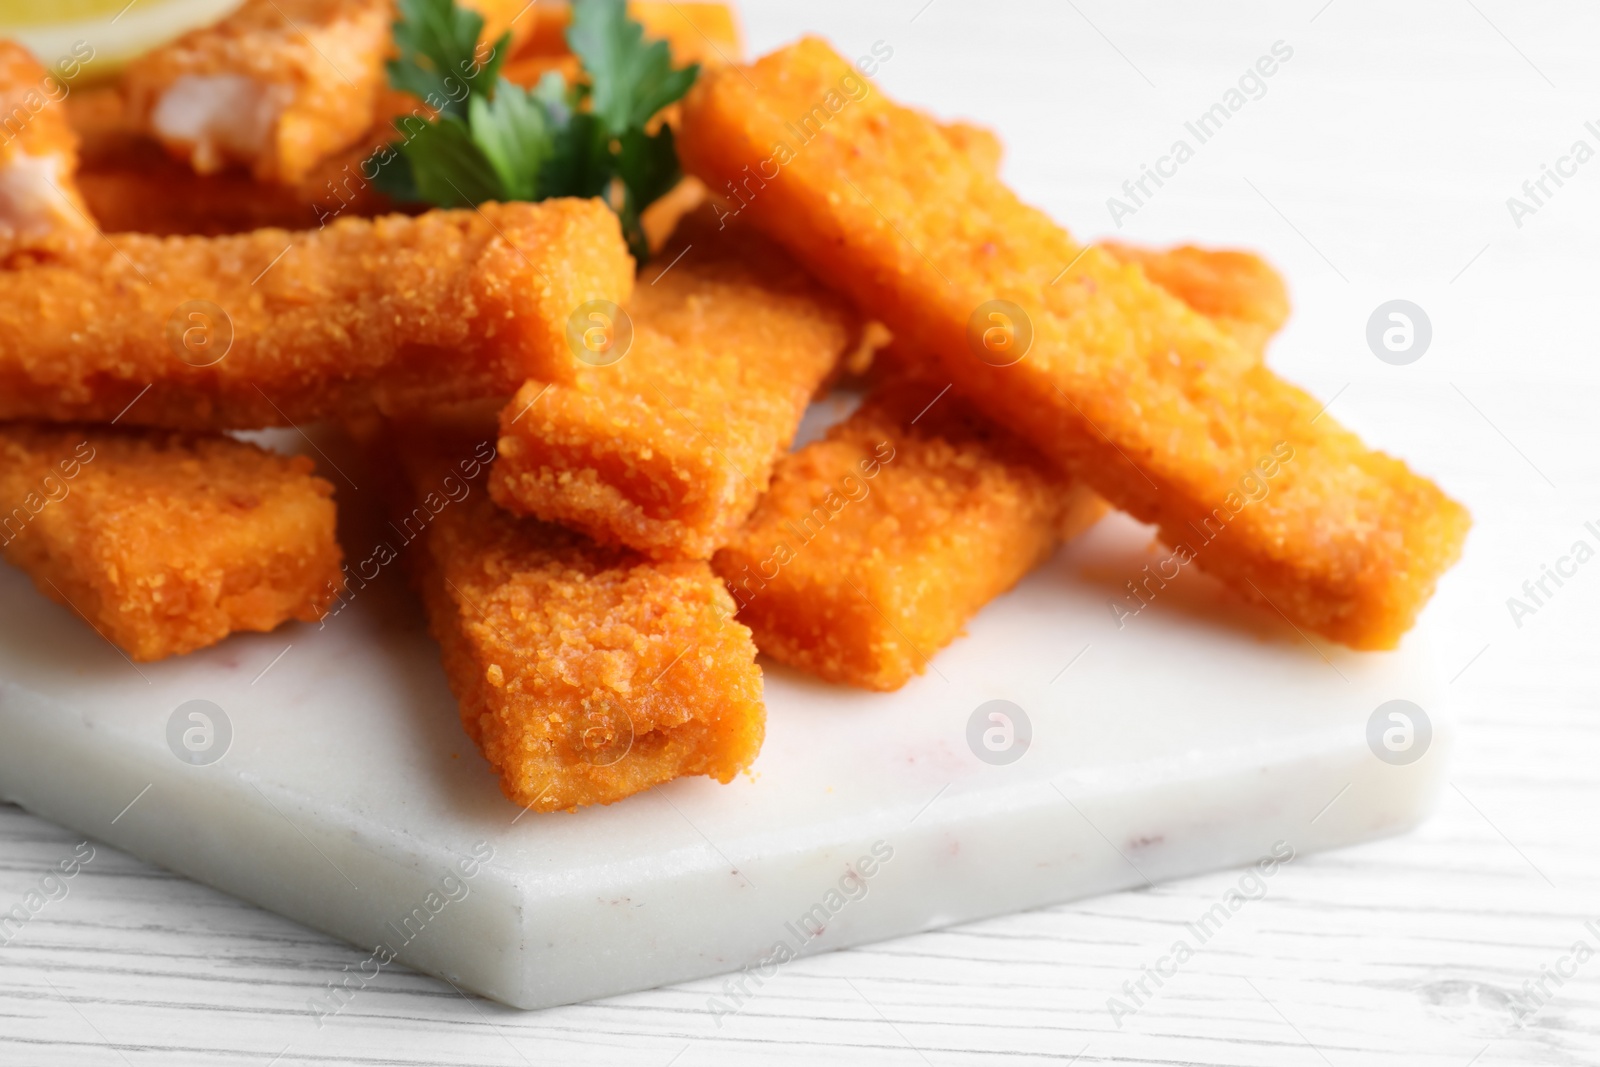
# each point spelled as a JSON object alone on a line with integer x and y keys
{"x": 438, "y": 54}
{"x": 448, "y": 166}
{"x": 515, "y": 135}
{"x": 494, "y": 140}
{"x": 648, "y": 167}
{"x": 631, "y": 79}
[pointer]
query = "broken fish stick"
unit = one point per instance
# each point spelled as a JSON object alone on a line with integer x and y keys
{"x": 667, "y": 448}
{"x": 275, "y": 87}
{"x": 273, "y": 328}
{"x": 875, "y": 545}
{"x": 131, "y": 184}
{"x": 152, "y": 193}
{"x": 39, "y": 200}
{"x": 585, "y": 674}
{"x": 1238, "y": 291}
{"x": 166, "y": 542}
{"x": 1107, "y": 374}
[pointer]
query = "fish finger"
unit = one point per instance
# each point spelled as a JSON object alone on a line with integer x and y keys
{"x": 875, "y": 545}
{"x": 585, "y": 674}
{"x": 1112, "y": 377}
{"x": 273, "y": 328}
{"x": 166, "y": 542}
{"x": 276, "y": 86}
{"x": 667, "y": 448}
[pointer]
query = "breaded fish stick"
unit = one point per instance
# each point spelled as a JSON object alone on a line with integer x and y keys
{"x": 960, "y": 488}
{"x": 272, "y": 328}
{"x": 667, "y": 449}
{"x": 39, "y": 201}
{"x": 1109, "y": 375}
{"x": 585, "y": 674}
{"x": 166, "y": 542}
{"x": 875, "y": 545}
{"x": 133, "y": 185}
{"x": 276, "y": 86}
{"x": 1241, "y": 293}
{"x": 1238, "y": 291}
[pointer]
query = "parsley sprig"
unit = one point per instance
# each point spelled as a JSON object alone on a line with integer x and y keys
{"x": 490, "y": 139}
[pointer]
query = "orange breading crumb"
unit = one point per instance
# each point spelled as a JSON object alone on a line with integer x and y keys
{"x": 398, "y": 311}
{"x": 585, "y": 674}
{"x": 1122, "y": 384}
{"x": 39, "y": 199}
{"x": 875, "y": 545}
{"x": 277, "y": 86}
{"x": 667, "y": 449}
{"x": 166, "y": 542}
{"x": 1239, "y": 291}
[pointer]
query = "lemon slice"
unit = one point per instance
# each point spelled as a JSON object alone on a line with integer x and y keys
{"x": 110, "y": 32}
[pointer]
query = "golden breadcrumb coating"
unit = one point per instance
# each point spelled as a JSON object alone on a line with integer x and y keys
{"x": 978, "y": 143}
{"x": 395, "y": 311}
{"x": 39, "y": 199}
{"x": 876, "y": 544}
{"x": 1140, "y": 396}
{"x": 166, "y": 542}
{"x": 276, "y": 86}
{"x": 585, "y": 674}
{"x": 1238, "y": 291}
{"x": 667, "y": 449}
{"x": 788, "y": 626}
{"x": 1241, "y": 293}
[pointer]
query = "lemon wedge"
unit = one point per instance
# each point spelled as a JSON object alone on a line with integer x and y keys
{"x": 108, "y": 32}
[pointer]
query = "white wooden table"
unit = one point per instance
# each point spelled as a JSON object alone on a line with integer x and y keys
{"x": 1376, "y": 166}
